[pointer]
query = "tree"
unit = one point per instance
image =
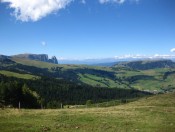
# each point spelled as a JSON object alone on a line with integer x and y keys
{"x": 30, "y": 99}
{"x": 88, "y": 102}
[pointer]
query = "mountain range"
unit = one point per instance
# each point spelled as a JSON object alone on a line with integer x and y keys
{"x": 42, "y": 80}
{"x": 125, "y": 74}
{"x": 94, "y": 62}
{"x": 112, "y": 60}
{"x": 38, "y": 57}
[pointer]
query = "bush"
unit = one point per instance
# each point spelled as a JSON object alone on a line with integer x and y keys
{"x": 88, "y": 102}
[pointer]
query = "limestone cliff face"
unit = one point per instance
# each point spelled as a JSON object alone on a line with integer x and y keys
{"x": 53, "y": 60}
{"x": 38, "y": 57}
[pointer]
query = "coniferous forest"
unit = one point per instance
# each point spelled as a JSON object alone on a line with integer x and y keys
{"x": 50, "y": 93}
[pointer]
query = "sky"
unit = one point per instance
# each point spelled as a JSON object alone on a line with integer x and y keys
{"x": 83, "y": 29}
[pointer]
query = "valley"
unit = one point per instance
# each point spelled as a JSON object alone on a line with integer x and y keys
{"x": 87, "y": 65}
{"x": 151, "y": 76}
{"x": 52, "y": 85}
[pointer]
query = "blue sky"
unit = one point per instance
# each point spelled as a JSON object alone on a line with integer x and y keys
{"x": 89, "y": 28}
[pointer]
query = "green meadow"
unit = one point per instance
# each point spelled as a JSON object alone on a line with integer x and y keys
{"x": 148, "y": 114}
{"x": 18, "y": 75}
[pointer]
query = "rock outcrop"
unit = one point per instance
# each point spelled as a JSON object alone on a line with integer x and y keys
{"x": 53, "y": 60}
{"x": 38, "y": 57}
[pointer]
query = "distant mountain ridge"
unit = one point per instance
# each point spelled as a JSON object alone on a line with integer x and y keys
{"x": 38, "y": 57}
{"x": 4, "y": 57}
{"x": 147, "y": 64}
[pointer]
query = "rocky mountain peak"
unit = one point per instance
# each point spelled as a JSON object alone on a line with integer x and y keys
{"x": 38, "y": 57}
{"x": 53, "y": 60}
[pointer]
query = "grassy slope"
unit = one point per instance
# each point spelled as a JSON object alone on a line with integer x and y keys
{"x": 153, "y": 114}
{"x": 33, "y": 63}
{"x": 41, "y": 64}
{"x": 94, "y": 80}
{"x": 17, "y": 75}
{"x": 154, "y": 83}
{"x": 157, "y": 82}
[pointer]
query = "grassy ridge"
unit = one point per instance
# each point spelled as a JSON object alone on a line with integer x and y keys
{"x": 17, "y": 75}
{"x": 155, "y": 113}
{"x": 152, "y": 79}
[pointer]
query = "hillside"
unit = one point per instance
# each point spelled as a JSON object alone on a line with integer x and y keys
{"x": 147, "y": 64}
{"x": 53, "y": 84}
{"x": 51, "y": 93}
{"x": 157, "y": 76}
{"x": 17, "y": 75}
{"x": 154, "y": 114}
{"x": 91, "y": 75}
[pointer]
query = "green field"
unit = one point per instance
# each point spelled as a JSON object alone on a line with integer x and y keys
{"x": 149, "y": 114}
{"x": 18, "y": 75}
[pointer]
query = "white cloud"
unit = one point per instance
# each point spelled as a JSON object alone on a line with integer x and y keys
{"x": 43, "y": 43}
{"x": 83, "y": 1}
{"x": 127, "y": 56}
{"x": 33, "y": 10}
{"x": 156, "y": 56}
{"x": 172, "y": 50}
{"x": 112, "y": 1}
{"x": 116, "y": 1}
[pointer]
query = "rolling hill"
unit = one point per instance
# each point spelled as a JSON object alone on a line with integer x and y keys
{"x": 53, "y": 84}
{"x": 155, "y": 75}
{"x": 147, "y": 64}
